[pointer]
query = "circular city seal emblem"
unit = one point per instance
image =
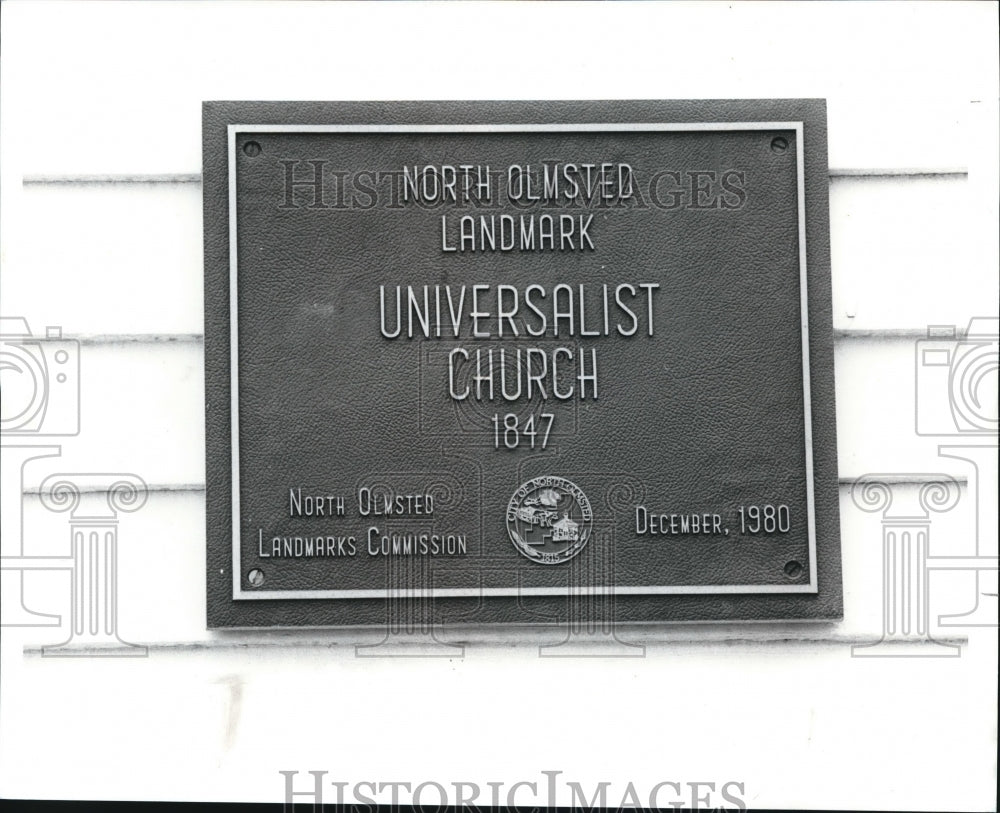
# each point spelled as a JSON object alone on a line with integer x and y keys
{"x": 549, "y": 520}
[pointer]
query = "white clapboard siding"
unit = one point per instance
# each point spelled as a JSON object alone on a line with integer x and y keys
{"x": 161, "y": 566}
{"x": 882, "y": 390}
{"x": 221, "y": 719}
{"x": 905, "y": 253}
{"x": 898, "y": 112}
{"x": 101, "y": 233}
{"x": 142, "y": 410}
{"x": 221, "y": 704}
{"x": 133, "y": 252}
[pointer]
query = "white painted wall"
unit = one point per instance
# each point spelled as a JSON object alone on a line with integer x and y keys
{"x": 101, "y": 233}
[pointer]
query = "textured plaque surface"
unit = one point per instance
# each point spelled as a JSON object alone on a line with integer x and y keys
{"x": 503, "y": 362}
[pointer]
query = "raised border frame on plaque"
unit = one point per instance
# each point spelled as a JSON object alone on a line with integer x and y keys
{"x": 232, "y": 604}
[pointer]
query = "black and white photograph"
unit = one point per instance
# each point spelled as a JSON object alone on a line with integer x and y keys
{"x": 500, "y": 405}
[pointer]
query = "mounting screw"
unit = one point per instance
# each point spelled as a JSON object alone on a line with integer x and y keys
{"x": 251, "y": 149}
{"x": 779, "y": 144}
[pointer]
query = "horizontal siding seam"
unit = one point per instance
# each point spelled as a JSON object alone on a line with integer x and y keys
{"x": 241, "y": 640}
{"x": 198, "y": 338}
{"x": 845, "y": 481}
{"x": 139, "y": 178}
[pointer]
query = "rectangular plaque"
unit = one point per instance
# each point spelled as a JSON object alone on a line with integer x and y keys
{"x": 517, "y": 362}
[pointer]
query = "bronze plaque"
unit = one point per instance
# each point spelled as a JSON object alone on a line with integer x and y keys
{"x": 488, "y": 359}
